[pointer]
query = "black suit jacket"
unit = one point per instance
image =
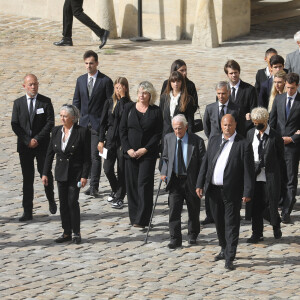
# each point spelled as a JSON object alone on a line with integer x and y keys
{"x": 286, "y": 127}
{"x": 275, "y": 170}
{"x": 261, "y": 76}
{"x": 74, "y": 163}
{"x": 211, "y": 122}
{"x": 239, "y": 171}
{"x": 195, "y": 154}
{"x": 265, "y": 91}
{"x": 143, "y": 133}
{"x": 91, "y": 109}
{"x": 165, "y": 108}
{"x": 43, "y": 122}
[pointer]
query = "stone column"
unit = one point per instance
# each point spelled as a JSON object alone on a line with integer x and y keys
{"x": 205, "y": 28}
{"x": 105, "y": 17}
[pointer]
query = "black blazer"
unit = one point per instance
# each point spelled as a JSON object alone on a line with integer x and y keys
{"x": 195, "y": 154}
{"x": 291, "y": 125}
{"x": 74, "y": 163}
{"x": 265, "y": 92}
{"x": 211, "y": 122}
{"x": 110, "y": 121}
{"x": 275, "y": 170}
{"x": 143, "y": 133}
{"x": 43, "y": 122}
{"x": 165, "y": 108}
{"x": 91, "y": 109}
{"x": 261, "y": 76}
{"x": 191, "y": 89}
{"x": 239, "y": 172}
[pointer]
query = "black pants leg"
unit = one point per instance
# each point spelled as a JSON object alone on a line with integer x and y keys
{"x": 69, "y": 206}
{"x": 292, "y": 165}
{"x": 258, "y": 207}
{"x": 121, "y": 192}
{"x": 193, "y": 206}
{"x": 207, "y": 208}
{"x": 96, "y": 161}
{"x": 109, "y": 169}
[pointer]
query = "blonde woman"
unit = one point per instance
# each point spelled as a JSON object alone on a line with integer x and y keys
{"x": 277, "y": 88}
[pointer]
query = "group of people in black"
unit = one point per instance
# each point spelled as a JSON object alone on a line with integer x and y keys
{"x": 251, "y": 157}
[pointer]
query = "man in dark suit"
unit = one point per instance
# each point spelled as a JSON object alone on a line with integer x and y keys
{"x": 242, "y": 93}
{"x": 32, "y": 121}
{"x": 264, "y": 74}
{"x": 277, "y": 64}
{"x": 182, "y": 157}
{"x": 285, "y": 119}
{"x": 227, "y": 176}
{"x": 91, "y": 92}
{"x": 293, "y": 59}
{"x": 74, "y": 8}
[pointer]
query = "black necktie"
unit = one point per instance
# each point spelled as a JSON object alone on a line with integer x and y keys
{"x": 31, "y": 113}
{"x": 261, "y": 149}
{"x": 180, "y": 162}
{"x": 90, "y": 87}
{"x": 214, "y": 161}
{"x": 222, "y": 112}
{"x": 233, "y": 94}
{"x": 288, "y": 107}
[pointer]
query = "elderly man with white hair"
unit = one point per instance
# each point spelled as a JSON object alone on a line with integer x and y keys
{"x": 293, "y": 59}
{"x": 182, "y": 158}
{"x": 270, "y": 176}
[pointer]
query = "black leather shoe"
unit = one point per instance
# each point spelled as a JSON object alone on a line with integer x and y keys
{"x": 207, "y": 221}
{"x": 104, "y": 38}
{"x": 63, "y": 238}
{"x": 77, "y": 239}
{"x": 174, "y": 245}
{"x": 254, "y": 239}
{"x": 88, "y": 191}
{"x": 229, "y": 265}
{"x": 25, "y": 217}
{"x": 93, "y": 192}
{"x": 193, "y": 241}
{"x": 52, "y": 207}
{"x": 277, "y": 233}
{"x": 220, "y": 256}
{"x": 286, "y": 219}
{"x": 64, "y": 42}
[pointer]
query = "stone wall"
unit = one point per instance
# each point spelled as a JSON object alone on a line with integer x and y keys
{"x": 162, "y": 19}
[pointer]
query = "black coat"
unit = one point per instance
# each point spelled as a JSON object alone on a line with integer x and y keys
{"x": 275, "y": 171}
{"x": 74, "y": 163}
{"x": 260, "y": 77}
{"x": 238, "y": 174}
{"x": 110, "y": 121}
{"x": 165, "y": 108}
{"x": 42, "y": 124}
{"x": 143, "y": 133}
{"x": 91, "y": 109}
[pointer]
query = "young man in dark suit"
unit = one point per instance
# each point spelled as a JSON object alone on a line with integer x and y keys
{"x": 32, "y": 121}
{"x": 242, "y": 93}
{"x": 285, "y": 119}
{"x": 264, "y": 74}
{"x": 227, "y": 176}
{"x": 91, "y": 92}
{"x": 182, "y": 157}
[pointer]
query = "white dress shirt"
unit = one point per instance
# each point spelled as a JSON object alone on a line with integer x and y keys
{"x": 225, "y": 107}
{"x": 94, "y": 78}
{"x": 292, "y": 101}
{"x": 64, "y": 141}
{"x": 236, "y": 87}
{"x": 255, "y": 143}
{"x": 33, "y": 101}
{"x": 217, "y": 178}
{"x": 184, "y": 145}
{"x": 173, "y": 103}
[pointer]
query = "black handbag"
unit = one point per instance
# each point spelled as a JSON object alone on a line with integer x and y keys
{"x": 198, "y": 123}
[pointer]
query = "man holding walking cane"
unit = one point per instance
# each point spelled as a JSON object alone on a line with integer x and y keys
{"x": 182, "y": 157}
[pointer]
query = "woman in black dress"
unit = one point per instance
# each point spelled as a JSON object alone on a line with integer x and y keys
{"x": 140, "y": 133}
{"x": 109, "y": 134}
{"x": 71, "y": 144}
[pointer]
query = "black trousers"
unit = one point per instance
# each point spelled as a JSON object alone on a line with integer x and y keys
{"x": 74, "y": 8}
{"x": 117, "y": 183}
{"x": 226, "y": 214}
{"x": 207, "y": 208}
{"x": 139, "y": 186}
{"x": 68, "y": 193}
{"x": 261, "y": 209}
{"x": 27, "y": 166}
{"x": 178, "y": 193}
{"x": 96, "y": 161}
{"x": 292, "y": 165}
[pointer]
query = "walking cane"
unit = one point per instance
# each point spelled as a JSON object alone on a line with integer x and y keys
{"x": 152, "y": 212}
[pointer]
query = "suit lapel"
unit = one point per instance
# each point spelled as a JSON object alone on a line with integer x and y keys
{"x": 240, "y": 92}
{"x": 190, "y": 150}
{"x": 96, "y": 85}
{"x": 24, "y": 107}
{"x": 172, "y": 150}
{"x": 72, "y": 139}
{"x": 295, "y": 107}
{"x": 232, "y": 151}
{"x": 216, "y": 114}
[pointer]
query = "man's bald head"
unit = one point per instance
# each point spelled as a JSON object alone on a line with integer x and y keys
{"x": 31, "y": 85}
{"x": 228, "y": 125}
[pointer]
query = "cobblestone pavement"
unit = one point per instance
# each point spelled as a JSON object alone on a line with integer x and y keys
{"x": 112, "y": 262}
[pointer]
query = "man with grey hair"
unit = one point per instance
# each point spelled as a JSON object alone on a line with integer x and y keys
{"x": 182, "y": 158}
{"x": 293, "y": 59}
